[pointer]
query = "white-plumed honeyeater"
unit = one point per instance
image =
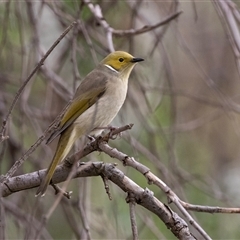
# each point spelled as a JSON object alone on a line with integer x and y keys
{"x": 96, "y": 102}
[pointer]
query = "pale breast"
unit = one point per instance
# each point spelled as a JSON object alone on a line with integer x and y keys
{"x": 104, "y": 110}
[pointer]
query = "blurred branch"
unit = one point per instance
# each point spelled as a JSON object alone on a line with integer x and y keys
{"x": 217, "y": 92}
{"x": 19, "y": 92}
{"x": 146, "y": 28}
{"x": 5, "y": 24}
{"x": 229, "y": 15}
{"x": 81, "y": 206}
{"x": 232, "y": 106}
{"x": 24, "y": 219}
{"x": 97, "y": 12}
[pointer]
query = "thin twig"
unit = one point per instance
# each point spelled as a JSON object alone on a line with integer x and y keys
{"x": 208, "y": 209}
{"x": 106, "y": 186}
{"x": 148, "y": 27}
{"x": 19, "y": 92}
{"x": 131, "y": 201}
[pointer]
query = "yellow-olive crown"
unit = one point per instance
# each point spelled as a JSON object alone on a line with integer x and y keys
{"x": 120, "y": 60}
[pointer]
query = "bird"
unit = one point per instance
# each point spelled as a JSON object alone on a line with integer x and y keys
{"x": 96, "y": 102}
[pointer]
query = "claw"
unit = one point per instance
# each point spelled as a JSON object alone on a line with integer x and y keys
{"x": 91, "y": 138}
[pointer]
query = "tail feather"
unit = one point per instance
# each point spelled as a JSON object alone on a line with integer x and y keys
{"x": 65, "y": 143}
{"x": 44, "y": 184}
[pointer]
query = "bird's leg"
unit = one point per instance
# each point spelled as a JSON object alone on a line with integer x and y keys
{"x": 112, "y": 135}
{"x": 111, "y": 129}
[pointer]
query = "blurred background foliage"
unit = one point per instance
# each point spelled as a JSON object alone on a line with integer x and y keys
{"x": 183, "y": 101}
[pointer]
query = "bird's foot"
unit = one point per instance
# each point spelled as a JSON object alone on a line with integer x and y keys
{"x": 112, "y": 135}
{"x": 91, "y": 140}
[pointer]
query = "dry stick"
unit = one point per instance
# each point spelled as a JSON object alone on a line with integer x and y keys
{"x": 19, "y": 92}
{"x": 38, "y": 142}
{"x": 208, "y": 209}
{"x": 131, "y": 201}
{"x": 106, "y": 186}
{"x": 130, "y": 161}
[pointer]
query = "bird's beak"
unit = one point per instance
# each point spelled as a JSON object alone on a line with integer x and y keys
{"x": 135, "y": 60}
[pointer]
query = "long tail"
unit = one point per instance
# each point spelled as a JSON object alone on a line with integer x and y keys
{"x": 65, "y": 144}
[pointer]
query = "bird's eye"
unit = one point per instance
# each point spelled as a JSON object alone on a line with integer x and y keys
{"x": 121, "y": 59}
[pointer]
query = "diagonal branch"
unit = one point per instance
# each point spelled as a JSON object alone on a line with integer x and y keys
{"x": 18, "y": 94}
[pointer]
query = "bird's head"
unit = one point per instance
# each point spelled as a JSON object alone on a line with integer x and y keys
{"x": 121, "y": 62}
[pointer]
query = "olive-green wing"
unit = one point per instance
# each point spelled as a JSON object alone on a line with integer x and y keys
{"x": 88, "y": 93}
